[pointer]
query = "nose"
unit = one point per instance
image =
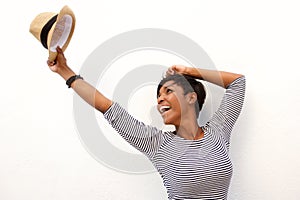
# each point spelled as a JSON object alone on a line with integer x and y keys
{"x": 160, "y": 99}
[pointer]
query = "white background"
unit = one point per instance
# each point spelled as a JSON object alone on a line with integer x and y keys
{"x": 40, "y": 152}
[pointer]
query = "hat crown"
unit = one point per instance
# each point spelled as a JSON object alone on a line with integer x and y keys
{"x": 54, "y": 29}
{"x": 39, "y": 22}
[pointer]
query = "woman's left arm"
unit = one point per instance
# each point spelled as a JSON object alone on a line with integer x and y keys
{"x": 220, "y": 78}
{"x": 225, "y": 117}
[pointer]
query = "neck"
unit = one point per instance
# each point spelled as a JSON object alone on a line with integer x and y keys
{"x": 189, "y": 129}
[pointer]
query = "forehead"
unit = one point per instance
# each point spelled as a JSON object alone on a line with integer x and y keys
{"x": 168, "y": 84}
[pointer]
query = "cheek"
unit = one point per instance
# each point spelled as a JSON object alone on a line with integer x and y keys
{"x": 157, "y": 108}
{"x": 177, "y": 106}
{"x": 173, "y": 100}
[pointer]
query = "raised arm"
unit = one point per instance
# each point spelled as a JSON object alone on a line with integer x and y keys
{"x": 220, "y": 78}
{"x": 87, "y": 92}
{"x": 226, "y": 115}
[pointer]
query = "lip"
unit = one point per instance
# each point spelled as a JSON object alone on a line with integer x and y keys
{"x": 164, "y": 113}
{"x": 163, "y": 109}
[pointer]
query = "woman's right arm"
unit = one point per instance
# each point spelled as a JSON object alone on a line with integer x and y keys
{"x": 86, "y": 91}
{"x": 145, "y": 138}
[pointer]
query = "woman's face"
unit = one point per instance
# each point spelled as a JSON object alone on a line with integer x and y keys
{"x": 171, "y": 103}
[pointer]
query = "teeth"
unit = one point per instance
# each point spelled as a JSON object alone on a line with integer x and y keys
{"x": 164, "y": 108}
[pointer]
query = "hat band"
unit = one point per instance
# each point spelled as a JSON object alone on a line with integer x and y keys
{"x": 45, "y": 31}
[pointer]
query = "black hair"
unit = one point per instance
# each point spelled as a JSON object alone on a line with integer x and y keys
{"x": 189, "y": 84}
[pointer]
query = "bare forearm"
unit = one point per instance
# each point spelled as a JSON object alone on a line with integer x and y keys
{"x": 86, "y": 91}
{"x": 91, "y": 95}
{"x": 220, "y": 78}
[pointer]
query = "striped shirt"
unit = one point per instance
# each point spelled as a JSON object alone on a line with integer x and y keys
{"x": 190, "y": 169}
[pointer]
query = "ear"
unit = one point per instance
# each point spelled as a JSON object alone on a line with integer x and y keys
{"x": 192, "y": 97}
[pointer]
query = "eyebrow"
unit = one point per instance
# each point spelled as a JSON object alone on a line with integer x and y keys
{"x": 164, "y": 87}
{"x": 169, "y": 85}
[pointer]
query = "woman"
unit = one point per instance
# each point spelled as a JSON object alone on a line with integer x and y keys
{"x": 193, "y": 161}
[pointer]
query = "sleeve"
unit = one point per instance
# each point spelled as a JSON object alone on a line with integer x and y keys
{"x": 145, "y": 138}
{"x": 231, "y": 105}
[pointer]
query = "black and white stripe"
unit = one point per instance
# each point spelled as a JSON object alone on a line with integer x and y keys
{"x": 190, "y": 169}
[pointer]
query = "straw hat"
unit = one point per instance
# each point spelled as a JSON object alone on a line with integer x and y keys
{"x": 53, "y": 29}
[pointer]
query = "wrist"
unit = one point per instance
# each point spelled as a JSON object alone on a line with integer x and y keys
{"x": 65, "y": 72}
{"x": 194, "y": 72}
{"x": 72, "y": 79}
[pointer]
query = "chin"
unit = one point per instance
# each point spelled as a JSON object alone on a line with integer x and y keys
{"x": 169, "y": 122}
{"x": 171, "y": 119}
{"x": 166, "y": 122}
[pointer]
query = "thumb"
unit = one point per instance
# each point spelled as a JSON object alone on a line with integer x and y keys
{"x": 59, "y": 51}
{"x": 175, "y": 68}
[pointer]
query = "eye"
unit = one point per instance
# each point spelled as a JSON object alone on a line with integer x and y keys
{"x": 169, "y": 90}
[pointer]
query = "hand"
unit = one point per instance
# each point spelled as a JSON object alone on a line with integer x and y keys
{"x": 59, "y": 62}
{"x": 176, "y": 69}
{"x": 60, "y": 65}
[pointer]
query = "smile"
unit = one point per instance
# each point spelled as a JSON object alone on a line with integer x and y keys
{"x": 164, "y": 109}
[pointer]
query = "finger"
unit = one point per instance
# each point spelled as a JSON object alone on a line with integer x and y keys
{"x": 171, "y": 71}
{"x": 168, "y": 73}
{"x": 174, "y": 68}
{"x": 59, "y": 50}
{"x": 51, "y": 63}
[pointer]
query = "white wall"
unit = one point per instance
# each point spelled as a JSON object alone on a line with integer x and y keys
{"x": 40, "y": 151}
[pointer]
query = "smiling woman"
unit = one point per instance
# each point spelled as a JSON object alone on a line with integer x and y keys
{"x": 183, "y": 95}
{"x": 193, "y": 161}
{"x": 188, "y": 84}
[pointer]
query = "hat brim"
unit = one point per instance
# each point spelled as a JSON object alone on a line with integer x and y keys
{"x": 61, "y": 32}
